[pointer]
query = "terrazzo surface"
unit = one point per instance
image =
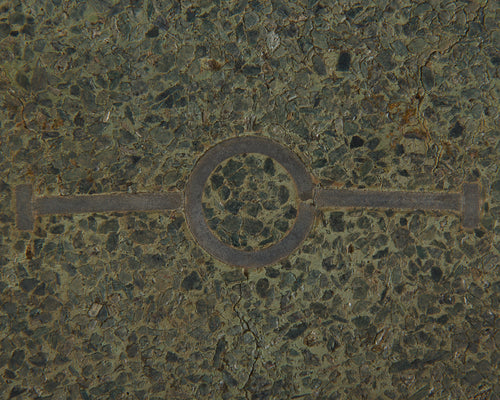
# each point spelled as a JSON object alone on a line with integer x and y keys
{"x": 101, "y": 97}
{"x": 250, "y": 202}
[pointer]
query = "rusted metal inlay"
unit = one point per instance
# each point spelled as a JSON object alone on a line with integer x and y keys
{"x": 311, "y": 199}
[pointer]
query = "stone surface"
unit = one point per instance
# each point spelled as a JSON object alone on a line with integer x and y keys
{"x": 246, "y": 201}
{"x": 102, "y": 97}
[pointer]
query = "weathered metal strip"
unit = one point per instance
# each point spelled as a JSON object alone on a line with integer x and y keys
{"x": 379, "y": 199}
{"x": 108, "y": 203}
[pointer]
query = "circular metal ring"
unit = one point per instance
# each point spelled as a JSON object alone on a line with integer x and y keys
{"x": 194, "y": 210}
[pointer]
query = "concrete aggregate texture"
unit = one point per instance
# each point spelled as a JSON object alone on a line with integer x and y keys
{"x": 109, "y": 291}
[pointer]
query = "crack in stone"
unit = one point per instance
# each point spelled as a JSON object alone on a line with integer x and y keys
{"x": 244, "y": 323}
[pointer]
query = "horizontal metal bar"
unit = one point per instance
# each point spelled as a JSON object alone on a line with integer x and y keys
{"x": 108, "y": 203}
{"x": 356, "y": 198}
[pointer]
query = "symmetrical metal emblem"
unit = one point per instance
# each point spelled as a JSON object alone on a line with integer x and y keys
{"x": 311, "y": 199}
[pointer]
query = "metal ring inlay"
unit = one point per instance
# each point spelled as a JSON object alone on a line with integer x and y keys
{"x": 194, "y": 193}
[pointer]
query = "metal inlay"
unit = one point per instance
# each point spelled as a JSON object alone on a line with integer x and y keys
{"x": 311, "y": 199}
